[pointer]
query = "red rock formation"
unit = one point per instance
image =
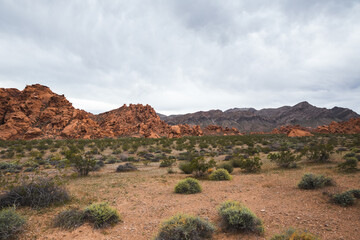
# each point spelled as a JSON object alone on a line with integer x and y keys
{"x": 299, "y": 133}
{"x": 37, "y": 112}
{"x": 217, "y": 130}
{"x": 287, "y": 129}
{"x": 347, "y": 127}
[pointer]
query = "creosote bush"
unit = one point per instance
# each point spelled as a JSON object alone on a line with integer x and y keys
{"x": 69, "y": 219}
{"x": 185, "y": 227}
{"x": 284, "y": 159}
{"x": 226, "y": 166}
{"x": 251, "y": 164}
{"x": 101, "y": 215}
{"x": 292, "y": 234}
{"x": 11, "y": 224}
{"x": 188, "y": 186}
{"x": 220, "y": 175}
{"x": 36, "y": 194}
{"x": 238, "y": 217}
{"x": 347, "y": 198}
{"x": 312, "y": 181}
{"x": 350, "y": 165}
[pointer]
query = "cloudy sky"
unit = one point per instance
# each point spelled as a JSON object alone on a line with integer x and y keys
{"x": 185, "y": 55}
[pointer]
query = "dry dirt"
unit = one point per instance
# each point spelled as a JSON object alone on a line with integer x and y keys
{"x": 146, "y": 197}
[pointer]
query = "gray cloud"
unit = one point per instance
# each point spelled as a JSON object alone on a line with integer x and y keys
{"x": 183, "y": 56}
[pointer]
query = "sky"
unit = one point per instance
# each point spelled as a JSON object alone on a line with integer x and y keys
{"x": 183, "y": 56}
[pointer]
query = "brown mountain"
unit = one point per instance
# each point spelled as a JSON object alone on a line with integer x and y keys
{"x": 264, "y": 120}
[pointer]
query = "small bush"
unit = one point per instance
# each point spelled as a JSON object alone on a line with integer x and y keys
{"x": 11, "y": 224}
{"x": 350, "y": 165}
{"x": 292, "y": 234}
{"x": 182, "y": 227}
{"x": 167, "y": 162}
{"x": 318, "y": 153}
{"x": 6, "y": 167}
{"x": 101, "y": 215}
{"x": 226, "y": 166}
{"x": 251, "y": 164}
{"x": 355, "y": 193}
{"x": 186, "y": 167}
{"x": 344, "y": 199}
{"x": 312, "y": 181}
{"x": 82, "y": 165}
{"x": 237, "y": 217}
{"x": 127, "y": 167}
{"x": 220, "y": 175}
{"x": 69, "y": 219}
{"x": 349, "y": 155}
{"x": 284, "y": 159}
{"x": 36, "y": 194}
{"x": 188, "y": 186}
{"x": 198, "y": 165}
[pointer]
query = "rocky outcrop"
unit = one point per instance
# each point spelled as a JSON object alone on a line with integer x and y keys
{"x": 264, "y": 120}
{"x": 299, "y": 133}
{"x": 37, "y": 112}
{"x": 347, "y": 127}
{"x": 217, "y": 130}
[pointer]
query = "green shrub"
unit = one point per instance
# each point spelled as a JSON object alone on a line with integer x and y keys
{"x": 220, "y": 175}
{"x": 127, "y": 167}
{"x": 69, "y": 219}
{"x": 167, "y": 162}
{"x": 11, "y": 224}
{"x": 185, "y": 227}
{"x": 36, "y": 194}
{"x": 188, "y": 186}
{"x": 284, "y": 159}
{"x": 355, "y": 193}
{"x": 344, "y": 199}
{"x": 318, "y": 152}
{"x": 350, "y": 165}
{"x": 292, "y": 234}
{"x": 226, "y": 166}
{"x": 251, "y": 164}
{"x": 186, "y": 167}
{"x": 312, "y": 181}
{"x": 238, "y": 217}
{"x": 349, "y": 155}
{"x": 101, "y": 215}
{"x": 82, "y": 165}
{"x": 6, "y": 167}
{"x": 198, "y": 165}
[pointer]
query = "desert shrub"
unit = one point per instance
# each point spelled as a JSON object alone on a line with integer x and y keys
{"x": 226, "y": 166}
{"x": 186, "y": 167}
{"x": 101, "y": 215}
{"x": 188, "y": 186}
{"x": 292, "y": 234}
{"x": 344, "y": 199}
{"x": 318, "y": 152}
{"x": 284, "y": 159}
{"x": 6, "y": 167}
{"x": 220, "y": 175}
{"x": 312, "y": 181}
{"x": 349, "y": 155}
{"x": 251, "y": 164}
{"x": 11, "y": 223}
{"x": 82, "y": 165}
{"x": 167, "y": 162}
{"x": 197, "y": 165}
{"x": 183, "y": 227}
{"x": 238, "y": 217}
{"x": 69, "y": 219}
{"x": 349, "y": 165}
{"x": 127, "y": 167}
{"x": 355, "y": 193}
{"x": 36, "y": 194}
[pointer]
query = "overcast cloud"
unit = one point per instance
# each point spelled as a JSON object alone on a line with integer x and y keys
{"x": 185, "y": 55}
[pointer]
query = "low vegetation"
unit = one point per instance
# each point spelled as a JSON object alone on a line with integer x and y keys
{"x": 313, "y": 181}
{"x": 101, "y": 215}
{"x": 295, "y": 234}
{"x": 188, "y": 186}
{"x": 183, "y": 226}
{"x": 11, "y": 224}
{"x": 220, "y": 175}
{"x": 237, "y": 217}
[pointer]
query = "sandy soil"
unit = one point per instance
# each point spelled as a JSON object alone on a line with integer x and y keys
{"x": 146, "y": 197}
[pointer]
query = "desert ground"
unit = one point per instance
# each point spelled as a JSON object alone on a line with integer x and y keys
{"x": 146, "y": 197}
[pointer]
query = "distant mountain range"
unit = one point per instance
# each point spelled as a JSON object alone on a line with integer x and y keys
{"x": 264, "y": 120}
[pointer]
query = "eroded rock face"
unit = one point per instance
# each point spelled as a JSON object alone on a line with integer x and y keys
{"x": 348, "y": 127}
{"x": 299, "y": 133}
{"x": 37, "y": 112}
{"x": 218, "y": 130}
